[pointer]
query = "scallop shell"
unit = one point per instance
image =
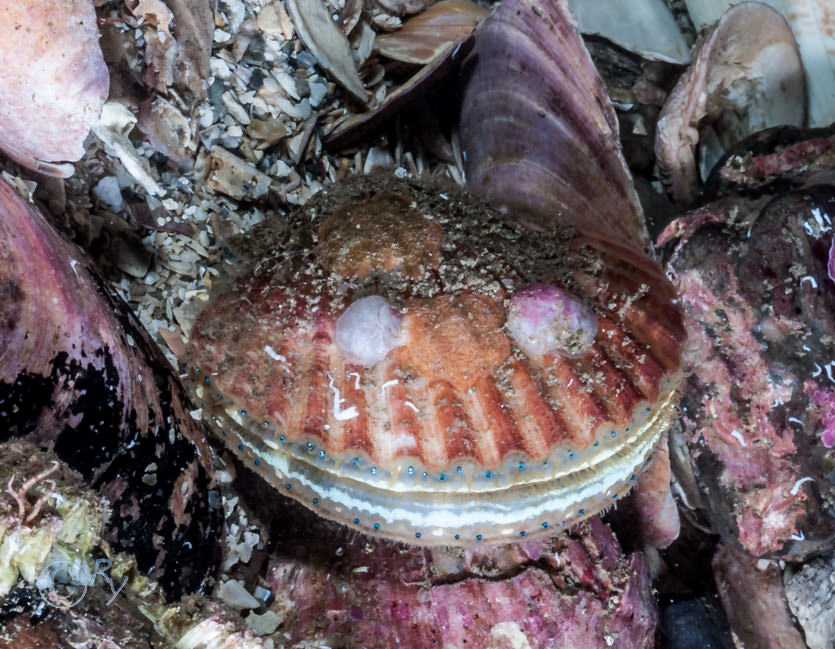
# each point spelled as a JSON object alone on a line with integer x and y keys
{"x": 537, "y": 128}
{"x": 53, "y": 81}
{"x": 455, "y": 435}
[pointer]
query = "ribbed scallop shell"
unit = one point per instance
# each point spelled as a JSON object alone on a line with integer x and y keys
{"x": 482, "y": 445}
{"x": 537, "y": 127}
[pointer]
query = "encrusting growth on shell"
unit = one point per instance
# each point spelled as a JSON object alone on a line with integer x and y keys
{"x": 545, "y": 319}
{"x": 381, "y": 234}
{"x": 368, "y": 330}
{"x": 46, "y": 514}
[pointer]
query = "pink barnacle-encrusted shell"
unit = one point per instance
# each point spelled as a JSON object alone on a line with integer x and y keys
{"x": 53, "y": 81}
{"x": 546, "y": 319}
{"x": 368, "y": 330}
{"x": 431, "y": 423}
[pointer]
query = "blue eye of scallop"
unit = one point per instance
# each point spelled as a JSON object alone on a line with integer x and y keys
{"x": 281, "y": 438}
{"x": 581, "y": 512}
{"x": 488, "y": 474}
{"x": 376, "y": 526}
{"x": 457, "y": 537}
{"x": 478, "y": 537}
{"x": 315, "y": 501}
{"x": 417, "y": 535}
{"x": 544, "y": 525}
{"x": 288, "y": 486}
{"x": 257, "y": 462}
{"x": 356, "y": 521}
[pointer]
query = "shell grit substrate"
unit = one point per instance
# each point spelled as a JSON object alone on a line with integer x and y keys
{"x": 439, "y": 428}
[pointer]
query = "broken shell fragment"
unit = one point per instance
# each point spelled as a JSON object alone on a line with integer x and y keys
{"x": 456, "y": 435}
{"x": 368, "y": 330}
{"x": 545, "y": 319}
{"x": 424, "y": 37}
{"x": 53, "y": 81}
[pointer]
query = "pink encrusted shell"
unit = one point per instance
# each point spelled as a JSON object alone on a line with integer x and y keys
{"x": 456, "y": 434}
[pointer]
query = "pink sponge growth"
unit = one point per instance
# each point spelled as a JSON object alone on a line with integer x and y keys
{"x": 825, "y": 400}
{"x": 546, "y": 319}
{"x": 368, "y": 330}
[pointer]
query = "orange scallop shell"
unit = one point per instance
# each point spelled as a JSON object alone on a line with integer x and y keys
{"x": 456, "y": 435}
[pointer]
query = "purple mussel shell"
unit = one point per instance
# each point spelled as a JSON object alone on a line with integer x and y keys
{"x": 576, "y": 590}
{"x": 78, "y": 372}
{"x": 759, "y": 404}
{"x": 53, "y": 81}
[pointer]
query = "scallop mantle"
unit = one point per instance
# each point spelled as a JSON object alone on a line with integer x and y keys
{"x": 449, "y": 439}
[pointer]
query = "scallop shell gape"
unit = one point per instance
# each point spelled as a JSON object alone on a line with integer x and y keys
{"x": 371, "y": 358}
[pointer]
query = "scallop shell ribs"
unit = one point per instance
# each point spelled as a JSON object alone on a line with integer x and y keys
{"x": 405, "y": 359}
